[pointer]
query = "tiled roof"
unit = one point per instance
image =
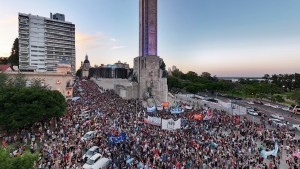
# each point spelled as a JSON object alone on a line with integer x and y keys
{"x": 4, "y": 67}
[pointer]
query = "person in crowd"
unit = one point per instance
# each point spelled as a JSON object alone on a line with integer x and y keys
{"x": 223, "y": 141}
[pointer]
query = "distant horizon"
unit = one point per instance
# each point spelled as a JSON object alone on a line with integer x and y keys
{"x": 199, "y": 73}
{"x": 224, "y": 38}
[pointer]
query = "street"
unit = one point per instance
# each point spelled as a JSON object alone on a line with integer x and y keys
{"x": 291, "y": 118}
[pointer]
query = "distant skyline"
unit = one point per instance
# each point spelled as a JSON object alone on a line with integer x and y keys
{"x": 230, "y": 38}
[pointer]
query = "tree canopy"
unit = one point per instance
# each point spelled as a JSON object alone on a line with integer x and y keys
{"x": 24, "y": 161}
{"x": 23, "y": 106}
{"x": 79, "y": 73}
{"x": 3, "y": 60}
{"x": 269, "y": 88}
{"x": 13, "y": 59}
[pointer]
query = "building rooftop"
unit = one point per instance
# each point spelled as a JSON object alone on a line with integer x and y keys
{"x": 24, "y": 14}
{"x": 3, "y": 68}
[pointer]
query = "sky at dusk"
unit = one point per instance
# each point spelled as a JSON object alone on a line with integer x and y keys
{"x": 222, "y": 37}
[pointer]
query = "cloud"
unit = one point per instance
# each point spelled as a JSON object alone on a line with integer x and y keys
{"x": 9, "y": 20}
{"x": 117, "y": 47}
{"x": 83, "y": 37}
{"x": 95, "y": 45}
{"x": 86, "y": 42}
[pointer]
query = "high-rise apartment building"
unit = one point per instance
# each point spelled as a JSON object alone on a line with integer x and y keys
{"x": 44, "y": 42}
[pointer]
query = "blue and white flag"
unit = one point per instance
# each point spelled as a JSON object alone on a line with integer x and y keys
{"x": 274, "y": 152}
{"x": 116, "y": 139}
{"x": 151, "y": 109}
{"x": 265, "y": 153}
{"x": 177, "y": 110}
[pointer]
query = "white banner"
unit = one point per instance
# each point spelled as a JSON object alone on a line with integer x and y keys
{"x": 170, "y": 124}
{"x": 153, "y": 120}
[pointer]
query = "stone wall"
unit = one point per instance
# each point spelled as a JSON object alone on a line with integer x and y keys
{"x": 55, "y": 81}
{"x": 126, "y": 92}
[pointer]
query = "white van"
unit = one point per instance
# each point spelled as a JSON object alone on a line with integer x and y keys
{"x": 88, "y": 136}
{"x": 92, "y": 151}
{"x": 96, "y": 162}
{"x": 296, "y": 126}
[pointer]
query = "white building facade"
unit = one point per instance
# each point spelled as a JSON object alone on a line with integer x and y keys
{"x": 44, "y": 42}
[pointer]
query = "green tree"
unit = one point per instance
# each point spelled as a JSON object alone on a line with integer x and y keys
{"x": 296, "y": 81}
{"x": 225, "y": 85}
{"x": 38, "y": 83}
{"x": 3, "y": 79}
{"x": 23, "y": 106}
{"x": 206, "y": 75}
{"x": 296, "y": 96}
{"x": 177, "y": 73}
{"x": 278, "y": 98}
{"x": 24, "y": 161}
{"x": 275, "y": 79}
{"x": 19, "y": 80}
{"x": 266, "y": 77}
{"x": 14, "y": 56}
{"x": 163, "y": 68}
{"x": 191, "y": 76}
{"x": 79, "y": 73}
{"x": 3, "y": 60}
{"x": 173, "y": 82}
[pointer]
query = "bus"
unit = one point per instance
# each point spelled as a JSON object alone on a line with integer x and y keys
{"x": 295, "y": 109}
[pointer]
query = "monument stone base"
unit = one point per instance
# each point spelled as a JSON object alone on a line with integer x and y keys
{"x": 149, "y": 77}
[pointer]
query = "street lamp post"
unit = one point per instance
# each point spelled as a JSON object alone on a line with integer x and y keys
{"x": 231, "y": 107}
{"x": 135, "y": 106}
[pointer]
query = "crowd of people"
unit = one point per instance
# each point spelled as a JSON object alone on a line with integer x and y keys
{"x": 223, "y": 141}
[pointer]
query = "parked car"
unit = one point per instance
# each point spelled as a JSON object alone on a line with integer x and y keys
{"x": 271, "y": 120}
{"x": 290, "y": 128}
{"x": 277, "y": 116}
{"x": 250, "y": 103}
{"x": 252, "y": 112}
{"x": 257, "y": 102}
{"x": 88, "y": 136}
{"x": 267, "y": 104}
{"x": 280, "y": 124}
{"x": 276, "y": 122}
{"x": 285, "y": 108}
{"x": 84, "y": 115}
{"x": 296, "y": 126}
{"x": 92, "y": 151}
{"x": 275, "y": 106}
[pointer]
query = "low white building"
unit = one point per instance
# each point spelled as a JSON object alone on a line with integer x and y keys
{"x": 61, "y": 80}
